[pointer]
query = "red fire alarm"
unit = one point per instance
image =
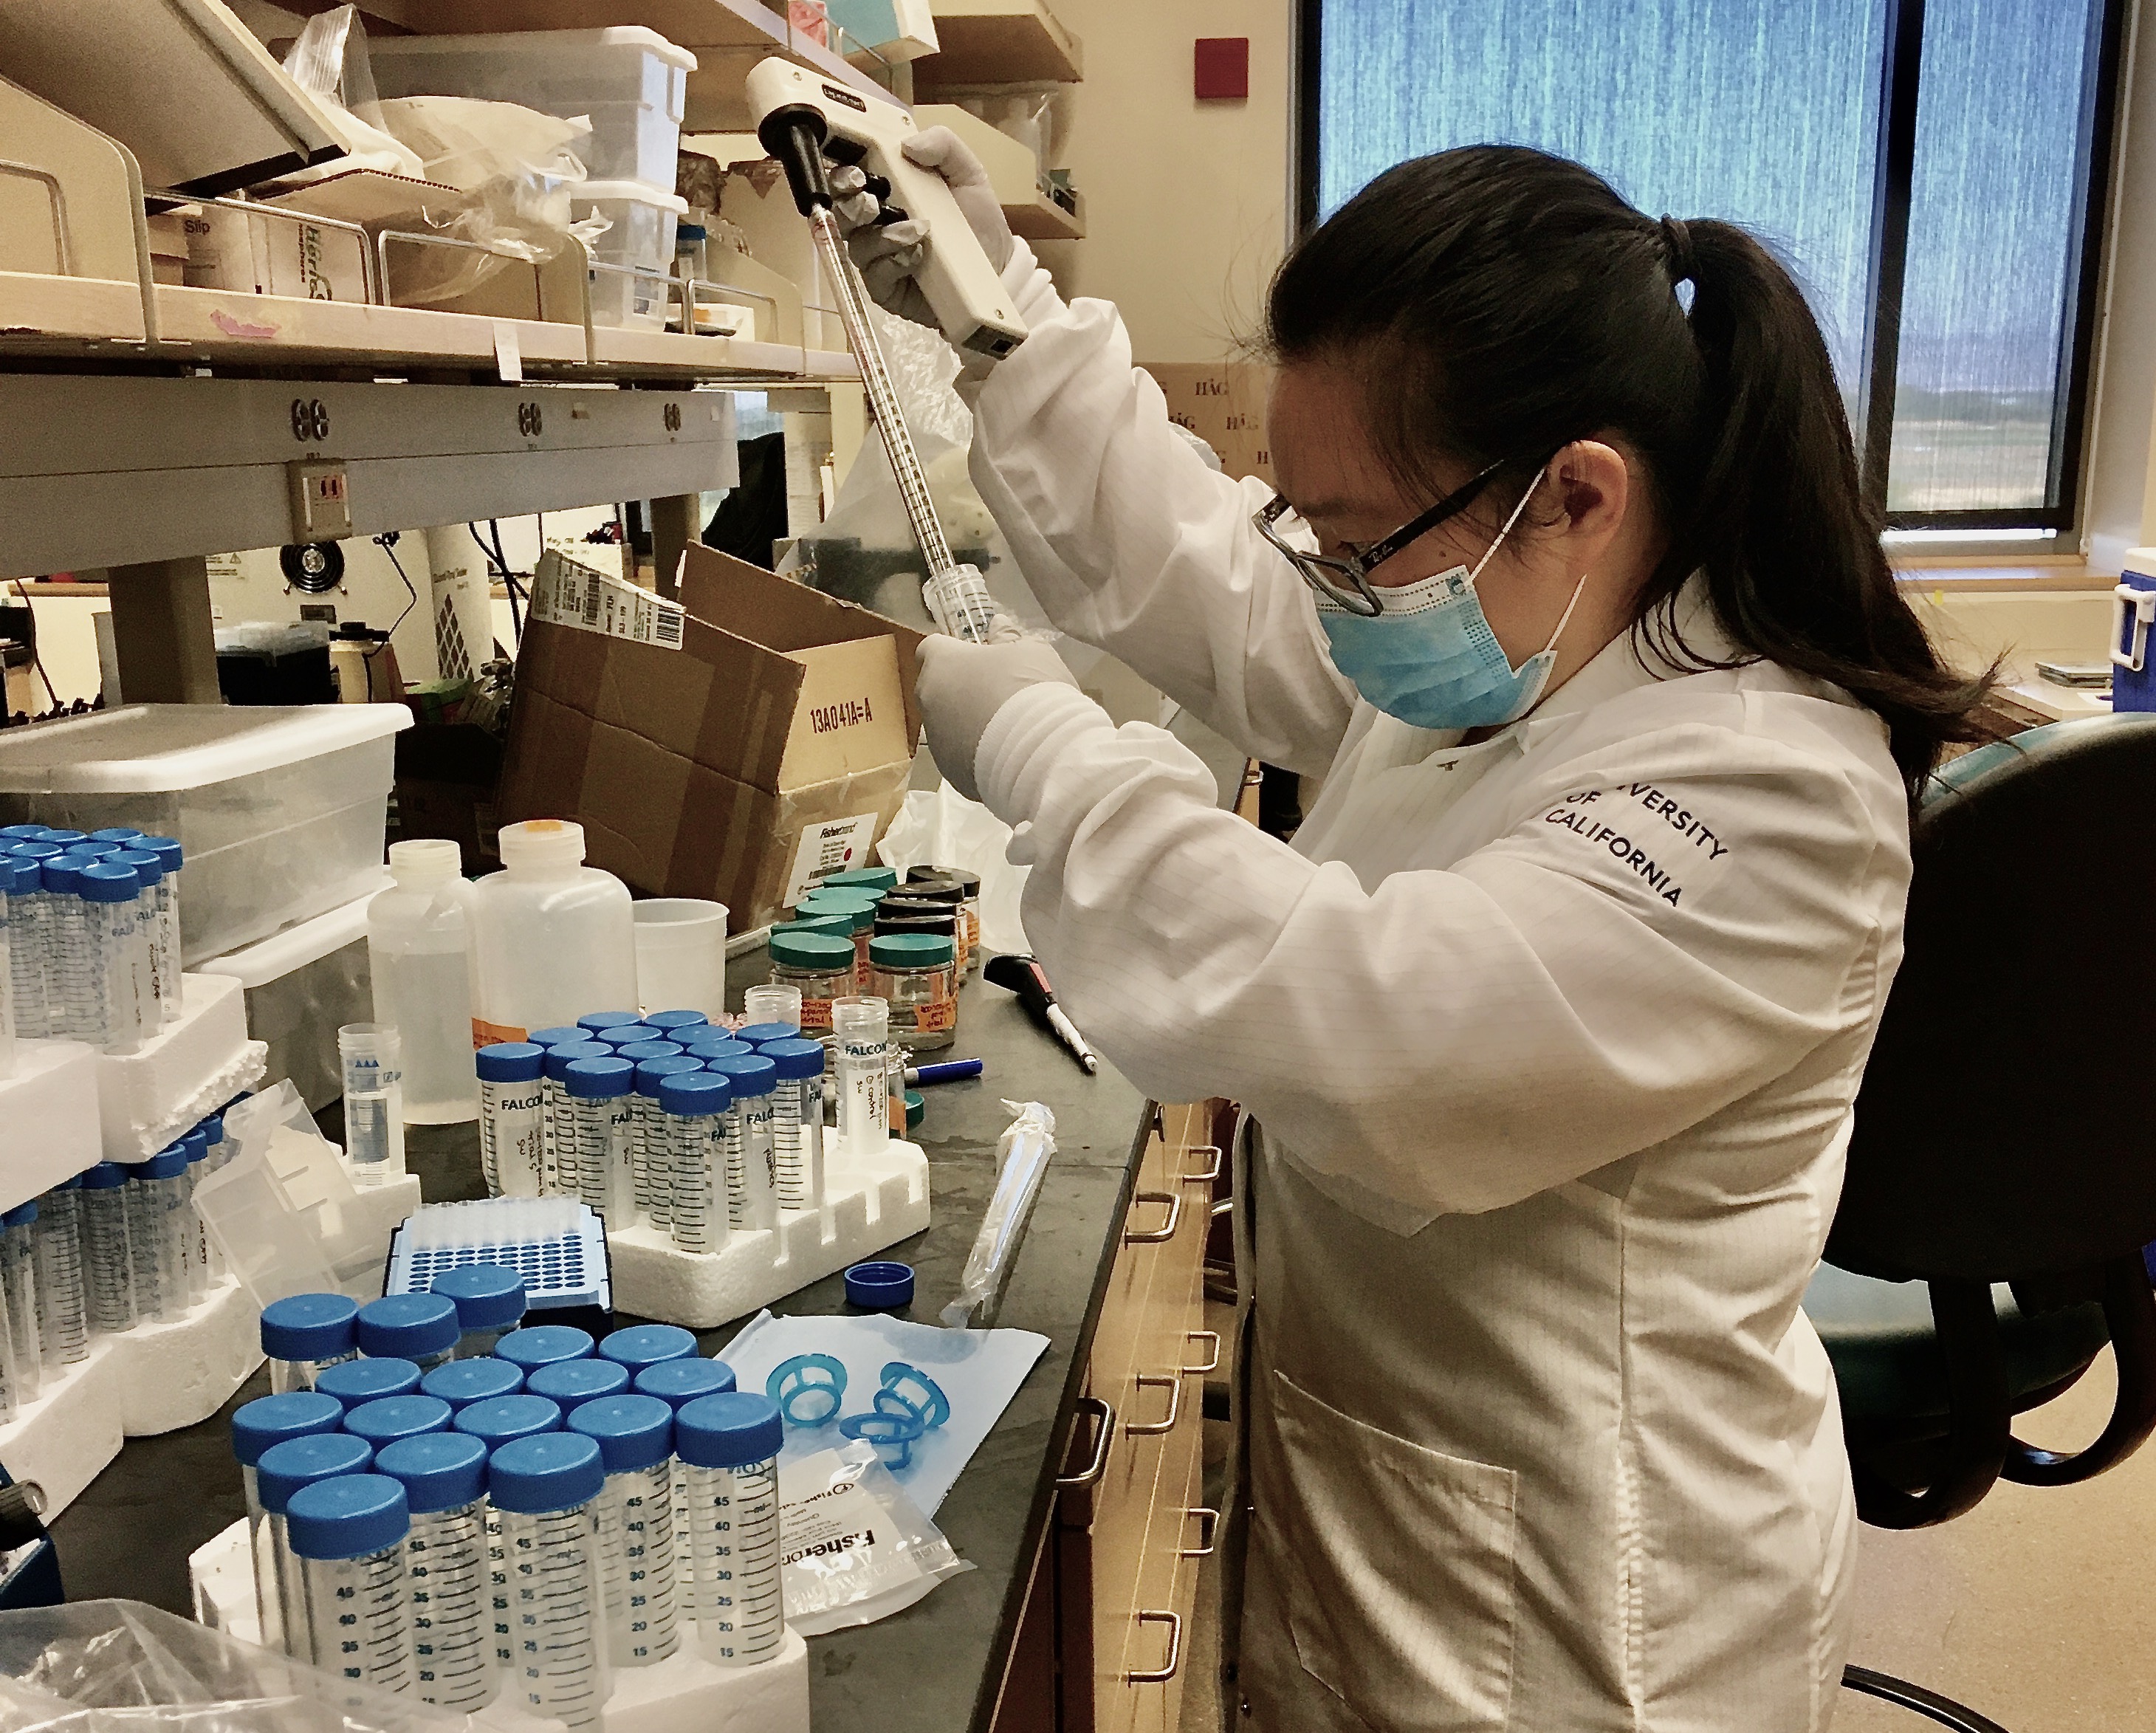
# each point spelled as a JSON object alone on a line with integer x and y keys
{"x": 1224, "y": 69}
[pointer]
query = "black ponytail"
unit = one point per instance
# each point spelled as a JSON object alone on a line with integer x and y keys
{"x": 1500, "y": 303}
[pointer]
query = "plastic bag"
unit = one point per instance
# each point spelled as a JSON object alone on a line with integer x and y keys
{"x": 1021, "y": 1164}
{"x": 329, "y": 61}
{"x": 940, "y": 827}
{"x": 857, "y": 1548}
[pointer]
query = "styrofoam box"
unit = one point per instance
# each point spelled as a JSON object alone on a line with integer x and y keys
{"x": 47, "y": 1119}
{"x": 280, "y": 809}
{"x": 303, "y": 985}
{"x": 683, "y": 1693}
{"x": 642, "y": 219}
{"x": 188, "y": 1069}
{"x": 870, "y": 1201}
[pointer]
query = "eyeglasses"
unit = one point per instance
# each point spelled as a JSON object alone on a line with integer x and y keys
{"x": 1348, "y": 582}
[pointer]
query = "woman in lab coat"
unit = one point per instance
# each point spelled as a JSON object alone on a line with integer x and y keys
{"x": 1549, "y": 1022}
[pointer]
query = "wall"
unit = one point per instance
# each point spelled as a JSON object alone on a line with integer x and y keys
{"x": 2121, "y": 490}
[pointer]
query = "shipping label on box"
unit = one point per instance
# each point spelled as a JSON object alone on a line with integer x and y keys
{"x": 827, "y": 846}
{"x": 565, "y": 592}
{"x": 1223, "y": 403}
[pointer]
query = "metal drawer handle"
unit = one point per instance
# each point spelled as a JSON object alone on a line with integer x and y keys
{"x": 1212, "y": 1530}
{"x": 1174, "y": 1388}
{"x": 1174, "y": 1623}
{"x": 1210, "y": 1335}
{"x": 1105, "y": 1412}
{"x": 1163, "y": 1233}
{"x": 1211, "y": 1173}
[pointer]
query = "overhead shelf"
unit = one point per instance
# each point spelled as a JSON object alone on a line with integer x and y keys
{"x": 1045, "y": 220}
{"x": 997, "y": 42}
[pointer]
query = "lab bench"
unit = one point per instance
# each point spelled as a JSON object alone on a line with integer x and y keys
{"x": 1109, "y": 1271}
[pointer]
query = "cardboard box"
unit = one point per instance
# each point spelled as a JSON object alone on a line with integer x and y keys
{"x": 237, "y": 250}
{"x": 766, "y": 750}
{"x": 1223, "y": 403}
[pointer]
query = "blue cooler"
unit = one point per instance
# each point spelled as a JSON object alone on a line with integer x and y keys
{"x": 2132, "y": 609}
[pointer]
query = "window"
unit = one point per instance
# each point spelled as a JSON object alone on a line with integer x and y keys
{"x": 1932, "y": 170}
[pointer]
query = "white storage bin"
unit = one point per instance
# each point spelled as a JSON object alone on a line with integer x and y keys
{"x": 632, "y": 82}
{"x": 642, "y": 220}
{"x": 280, "y": 810}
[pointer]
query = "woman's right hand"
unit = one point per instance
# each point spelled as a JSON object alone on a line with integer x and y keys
{"x": 887, "y": 256}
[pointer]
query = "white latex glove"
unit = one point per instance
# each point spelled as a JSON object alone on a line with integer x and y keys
{"x": 961, "y": 686}
{"x": 888, "y": 257}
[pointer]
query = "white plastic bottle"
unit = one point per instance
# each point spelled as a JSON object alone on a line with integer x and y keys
{"x": 554, "y": 937}
{"x": 419, "y": 948}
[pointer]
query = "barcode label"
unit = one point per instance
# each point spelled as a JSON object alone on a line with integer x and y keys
{"x": 667, "y": 630}
{"x": 568, "y": 594}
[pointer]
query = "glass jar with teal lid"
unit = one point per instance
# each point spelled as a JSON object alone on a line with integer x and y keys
{"x": 820, "y": 964}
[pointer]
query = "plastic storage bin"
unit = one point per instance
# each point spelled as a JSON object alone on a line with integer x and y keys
{"x": 280, "y": 810}
{"x": 642, "y": 236}
{"x": 632, "y": 82}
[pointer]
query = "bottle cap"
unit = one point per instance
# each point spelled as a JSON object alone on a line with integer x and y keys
{"x": 555, "y": 1471}
{"x": 462, "y": 1382}
{"x": 716, "y": 1045}
{"x": 538, "y": 1345}
{"x": 632, "y": 1432}
{"x": 348, "y": 1517}
{"x": 858, "y": 912}
{"x": 309, "y": 1326}
{"x": 111, "y": 834}
{"x": 794, "y": 1059}
{"x": 874, "y": 878}
{"x": 104, "y": 1176}
{"x": 945, "y": 926}
{"x": 597, "y": 1020}
{"x": 511, "y": 1062}
{"x": 728, "y": 1430}
{"x": 97, "y": 851}
{"x": 651, "y": 1073}
{"x": 916, "y": 1109}
{"x": 271, "y": 1419}
{"x": 148, "y": 871}
{"x": 637, "y": 1052}
{"x": 500, "y": 1418}
{"x": 541, "y": 844}
{"x": 412, "y": 1325}
{"x": 170, "y": 1162}
{"x": 838, "y": 926}
{"x": 559, "y": 1035}
{"x": 33, "y": 832}
{"x": 287, "y": 1466}
{"x": 671, "y": 1020}
{"x": 487, "y": 1296}
{"x": 569, "y": 1052}
{"x": 940, "y": 888}
{"x": 213, "y": 1128}
{"x": 757, "y": 1033}
{"x": 23, "y": 1215}
{"x": 572, "y": 1383}
{"x": 166, "y": 849}
{"x": 676, "y": 1381}
{"x": 100, "y": 883}
{"x": 969, "y": 883}
{"x": 626, "y": 1034}
{"x": 62, "y": 877}
{"x": 197, "y": 1145}
{"x": 826, "y": 953}
{"x": 642, "y": 1345}
{"x": 598, "y": 1080}
{"x": 426, "y": 860}
{"x": 751, "y": 1076}
{"x": 354, "y": 1382}
{"x": 879, "y": 1286}
{"x": 66, "y": 839}
{"x": 437, "y": 1470}
{"x": 397, "y": 1416}
{"x": 911, "y": 951}
{"x": 696, "y": 1093}
{"x": 39, "y": 850}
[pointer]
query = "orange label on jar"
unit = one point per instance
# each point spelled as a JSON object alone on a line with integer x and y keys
{"x": 816, "y": 1014}
{"x": 487, "y": 1034}
{"x": 937, "y": 1014}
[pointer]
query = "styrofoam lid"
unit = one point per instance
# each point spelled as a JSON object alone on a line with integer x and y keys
{"x": 636, "y": 192}
{"x": 309, "y": 941}
{"x": 159, "y": 748}
{"x": 551, "y": 43}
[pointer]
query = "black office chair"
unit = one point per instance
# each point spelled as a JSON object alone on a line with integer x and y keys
{"x": 2005, "y": 1160}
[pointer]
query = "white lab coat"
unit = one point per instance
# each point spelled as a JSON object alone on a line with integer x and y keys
{"x": 1552, "y": 1040}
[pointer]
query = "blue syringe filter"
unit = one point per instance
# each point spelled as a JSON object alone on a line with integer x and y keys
{"x": 757, "y": 1033}
{"x": 23, "y": 1215}
{"x": 487, "y": 1296}
{"x": 670, "y": 1020}
{"x": 628, "y": 1034}
{"x": 309, "y": 1326}
{"x": 112, "y": 833}
{"x": 807, "y": 1389}
{"x": 794, "y": 1059}
{"x": 908, "y": 1388}
{"x": 751, "y": 1076}
{"x": 560, "y": 1035}
{"x": 594, "y": 1021}
{"x": 692, "y": 1094}
{"x": 729, "y": 1431}
{"x": 462, "y": 1382}
{"x": 167, "y": 849}
{"x": 101, "y": 883}
{"x": 538, "y": 1345}
{"x": 500, "y": 1418}
{"x": 570, "y": 1384}
{"x": 170, "y": 1162}
{"x": 437, "y": 1470}
{"x": 271, "y": 1420}
{"x": 651, "y": 1073}
{"x": 632, "y": 1432}
{"x": 642, "y": 1345}
{"x": 676, "y": 1381}
{"x": 893, "y": 1435}
{"x": 717, "y": 1045}
{"x": 397, "y": 1416}
{"x": 638, "y": 1053}
{"x": 291, "y": 1463}
{"x": 104, "y": 1176}
{"x": 354, "y": 1382}
{"x": 413, "y": 1325}
{"x": 511, "y": 1062}
{"x": 880, "y": 1286}
{"x": 547, "y": 1472}
{"x": 598, "y": 1080}
{"x": 349, "y": 1517}
{"x": 149, "y": 871}
{"x": 559, "y": 1058}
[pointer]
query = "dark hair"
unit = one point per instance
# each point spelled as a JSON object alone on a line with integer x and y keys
{"x": 1500, "y": 303}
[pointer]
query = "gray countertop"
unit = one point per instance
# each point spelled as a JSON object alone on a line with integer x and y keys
{"x": 937, "y": 1666}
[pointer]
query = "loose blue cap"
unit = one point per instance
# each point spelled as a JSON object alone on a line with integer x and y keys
{"x": 397, "y": 1416}
{"x": 651, "y": 1073}
{"x": 271, "y": 1419}
{"x": 287, "y": 1466}
{"x": 65, "y": 838}
{"x": 414, "y": 1325}
{"x": 538, "y": 1345}
{"x": 170, "y": 1162}
{"x": 560, "y": 1035}
{"x": 354, "y": 1382}
{"x": 21, "y": 1216}
{"x": 879, "y": 1286}
{"x": 751, "y": 1077}
{"x": 795, "y": 1060}
{"x": 500, "y": 1418}
{"x": 111, "y": 834}
{"x": 149, "y": 871}
{"x": 558, "y": 1471}
{"x": 438, "y": 1471}
{"x": 309, "y": 1326}
{"x": 462, "y": 1382}
{"x": 104, "y": 1176}
{"x": 670, "y": 1020}
{"x": 166, "y": 849}
{"x": 757, "y": 1033}
{"x": 598, "y": 1080}
{"x": 717, "y": 1045}
{"x": 632, "y": 1432}
{"x": 637, "y": 1052}
{"x": 348, "y": 1517}
{"x": 696, "y": 1093}
{"x": 487, "y": 1296}
{"x": 597, "y": 1020}
{"x": 511, "y": 1062}
{"x": 569, "y": 1052}
{"x": 572, "y": 1383}
{"x": 642, "y": 1345}
{"x": 676, "y": 1381}
{"x": 626, "y": 1034}
{"x": 728, "y": 1430}
{"x": 100, "y": 883}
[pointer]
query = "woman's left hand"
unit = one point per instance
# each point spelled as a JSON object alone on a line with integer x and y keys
{"x": 962, "y": 685}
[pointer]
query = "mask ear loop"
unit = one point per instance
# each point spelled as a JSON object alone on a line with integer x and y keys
{"x": 1578, "y": 589}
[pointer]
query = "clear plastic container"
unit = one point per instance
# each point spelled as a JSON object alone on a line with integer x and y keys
{"x": 446, "y": 1569}
{"x": 776, "y": 1001}
{"x": 953, "y": 885}
{"x": 194, "y": 1238}
{"x": 635, "y": 1437}
{"x": 371, "y": 1057}
{"x": 512, "y": 1093}
{"x": 548, "y": 1599}
{"x": 14, "y": 1393}
{"x": 349, "y": 1535}
{"x": 699, "y": 1124}
{"x": 797, "y": 1122}
{"x": 681, "y": 953}
{"x": 421, "y": 1328}
{"x": 819, "y": 967}
{"x": 638, "y": 245}
{"x": 599, "y": 1094}
{"x": 156, "y": 1197}
{"x": 302, "y": 1333}
{"x": 858, "y": 910}
{"x": 489, "y": 1299}
{"x": 558, "y": 1160}
{"x": 419, "y": 952}
{"x": 916, "y": 975}
{"x": 107, "y": 1263}
{"x": 63, "y": 1289}
{"x": 26, "y": 963}
{"x": 108, "y": 900}
{"x": 651, "y": 1148}
{"x": 154, "y": 982}
{"x": 302, "y": 984}
{"x": 282, "y": 1470}
{"x": 860, "y": 1059}
{"x": 18, "y": 1266}
{"x": 752, "y": 1192}
{"x": 554, "y": 937}
{"x": 728, "y": 1446}
{"x": 258, "y": 1425}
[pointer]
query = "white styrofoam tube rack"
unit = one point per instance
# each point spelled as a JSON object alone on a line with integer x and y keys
{"x": 190, "y": 1067}
{"x": 48, "y": 1121}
